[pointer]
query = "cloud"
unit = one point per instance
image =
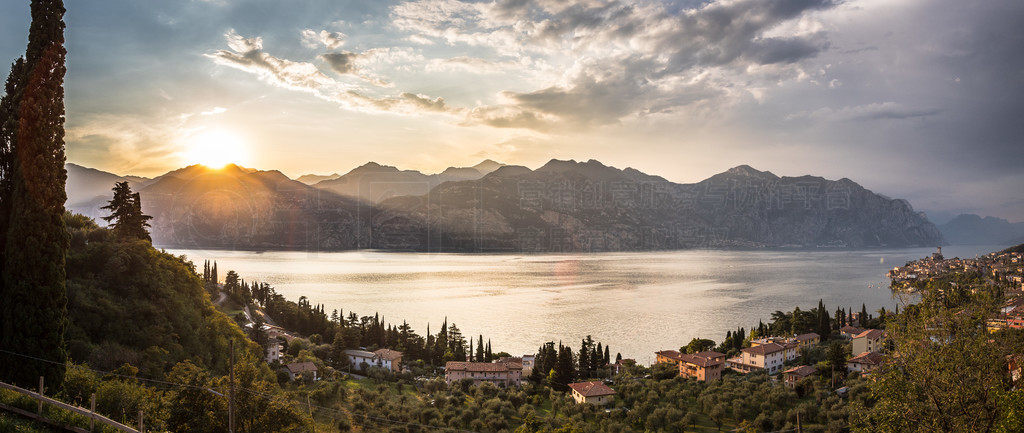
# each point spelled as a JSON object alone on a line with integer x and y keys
{"x": 247, "y": 55}
{"x": 470, "y": 64}
{"x": 627, "y": 59}
{"x": 342, "y": 63}
{"x": 331, "y": 40}
{"x": 404, "y": 103}
{"x": 876, "y": 111}
{"x": 215, "y": 110}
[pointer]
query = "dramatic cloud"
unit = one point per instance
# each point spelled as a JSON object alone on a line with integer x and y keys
{"x": 248, "y": 55}
{"x": 915, "y": 99}
{"x": 331, "y": 40}
{"x": 627, "y": 59}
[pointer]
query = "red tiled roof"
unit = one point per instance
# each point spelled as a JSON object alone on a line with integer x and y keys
{"x": 873, "y": 334}
{"x": 851, "y": 329}
{"x": 388, "y": 354}
{"x": 671, "y": 354}
{"x": 765, "y": 349}
{"x": 699, "y": 361}
{"x": 710, "y": 354}
{"x": 299, "y": 367}
{"x": 591, "y": 389}
{"x": 807, "y": 336}
{"x": 869, "y": 358}
{"x": 802, "y": 371}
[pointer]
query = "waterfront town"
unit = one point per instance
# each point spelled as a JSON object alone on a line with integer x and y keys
{"x": 858, "y": 340}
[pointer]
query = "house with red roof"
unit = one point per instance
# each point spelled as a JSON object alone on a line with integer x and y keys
{"x": 499, "y": 373}
{"x": 595, "y": 393}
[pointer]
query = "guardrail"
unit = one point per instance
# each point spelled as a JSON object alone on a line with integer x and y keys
{"x": 91, "y": 414}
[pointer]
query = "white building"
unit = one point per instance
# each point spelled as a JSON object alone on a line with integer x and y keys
{"x": 273, "y": 351}
{"x": 769, "y": 357}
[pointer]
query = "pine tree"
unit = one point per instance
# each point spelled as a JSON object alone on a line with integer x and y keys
{"x": 33, "y": 298}
{"x": 488, "y": 355}
{"x": 126, "y": 217}
{"x": 480, "y": 349}
{"x": 213, "y": 273}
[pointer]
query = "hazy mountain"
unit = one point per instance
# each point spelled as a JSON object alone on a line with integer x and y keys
{"x": 312, "y": 179}
{"x": 88, "y": 189}
{"x": 374, "y": 182}
{"x": 587, "y": 206}
{"x": 487, "y": 166}
{"x": 970, "y": 229}
{"x": 237, "y": 207}
{"x": 561, "y": 206}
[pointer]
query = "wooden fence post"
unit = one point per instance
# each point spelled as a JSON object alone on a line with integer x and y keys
{"x": 141, "y": 425}
{"x": 40, "y": 410}
{"x": 92, "y": 411}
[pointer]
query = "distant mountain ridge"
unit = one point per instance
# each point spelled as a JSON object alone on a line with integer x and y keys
{"x": 971, "y": 229}
{"x": 89, "y": 188}
{"x": 560, "y": 206}
{"x": 374, "y": 182}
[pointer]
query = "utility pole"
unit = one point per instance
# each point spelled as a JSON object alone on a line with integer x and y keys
{"x": 231, "y": 387}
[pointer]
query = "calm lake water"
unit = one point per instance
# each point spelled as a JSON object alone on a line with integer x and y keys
{"x": 637, "y": 303}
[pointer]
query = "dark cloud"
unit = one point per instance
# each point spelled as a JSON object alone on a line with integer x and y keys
{"x": 342, "y": 63}
{"x": 786, "y": 50}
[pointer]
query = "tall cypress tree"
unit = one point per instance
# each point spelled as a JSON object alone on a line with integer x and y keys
{"x": 33, "y": 301}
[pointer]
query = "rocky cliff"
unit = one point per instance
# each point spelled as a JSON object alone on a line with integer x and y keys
{"x": 561, "y": 206}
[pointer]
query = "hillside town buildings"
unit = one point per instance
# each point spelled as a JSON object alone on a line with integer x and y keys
{"x": 504, "y": 374}
{"x": 595, "y": 393}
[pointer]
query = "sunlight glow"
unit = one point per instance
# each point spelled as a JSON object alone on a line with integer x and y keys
{"x": 215, "y": 149}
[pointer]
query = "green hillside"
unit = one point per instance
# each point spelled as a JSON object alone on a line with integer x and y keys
{"x": 130, "y": 303}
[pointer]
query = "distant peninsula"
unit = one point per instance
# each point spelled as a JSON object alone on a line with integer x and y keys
{"x": 563, "y": 206}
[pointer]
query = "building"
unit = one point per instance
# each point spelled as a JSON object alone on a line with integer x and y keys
{"x": 298, "y": 370}
{"x": 768, "y": 357}
{"x": 273, "y": 351}
{"x": 703, "y": 366}
{"x": 865, "y": 362}
{"x": 498, "y": 373}
{"x": 357, "y": 358}
{"x": 273, "y": 332}
{"x": 869, "y": 341}
{"x": 848, "y": 332}
{"x": 795, "y": 374}
{"x": 668, "y": 356}
{"x": 528, "y": 361}
{"x": 389, "y": 359}
{"x": 808, "y": 339}
{"x": 595, "y": 393}
{"x": 768, "y": 340}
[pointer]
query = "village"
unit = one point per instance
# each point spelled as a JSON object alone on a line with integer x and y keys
{"x": 813, "y": 354}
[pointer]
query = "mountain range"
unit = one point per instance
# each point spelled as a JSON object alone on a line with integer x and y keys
{"x": 561, "y": 206}
{"x": 970, "y": 229}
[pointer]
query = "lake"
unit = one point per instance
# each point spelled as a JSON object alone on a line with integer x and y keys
{"x": 636, "y": 303}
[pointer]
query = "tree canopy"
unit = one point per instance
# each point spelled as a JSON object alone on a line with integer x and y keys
{"x": 126, "y": 218}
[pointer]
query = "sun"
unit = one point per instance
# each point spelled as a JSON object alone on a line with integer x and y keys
{"x": 215, "y": 149}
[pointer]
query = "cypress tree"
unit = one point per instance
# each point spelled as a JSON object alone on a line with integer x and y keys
{"x": 33, "y": 300}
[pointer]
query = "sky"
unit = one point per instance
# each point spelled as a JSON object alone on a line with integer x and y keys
{"x": 914, "y": 99}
